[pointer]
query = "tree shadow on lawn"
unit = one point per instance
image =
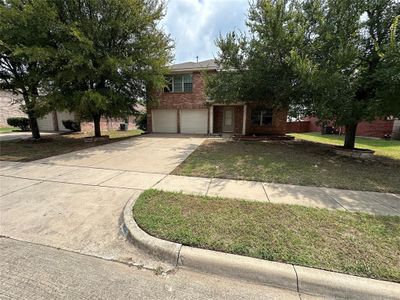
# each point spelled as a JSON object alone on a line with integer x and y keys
{"x": 291, "y": 162}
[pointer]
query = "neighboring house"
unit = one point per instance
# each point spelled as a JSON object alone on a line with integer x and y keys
{"x": 50, "y": 122}
{"x": 7, "y": 109}
{"x": 377, "y": 128}
{"x": 184, "y": 108}
{"x": 53, "y": 120}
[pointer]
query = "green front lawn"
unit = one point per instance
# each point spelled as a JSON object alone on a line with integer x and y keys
{"x": 291, "y": 162}
{"x": 390, "y": 148}
{"x": 353, "y": 243}
{"x": 28, "y": 150}
{"x": 9, "y": 129}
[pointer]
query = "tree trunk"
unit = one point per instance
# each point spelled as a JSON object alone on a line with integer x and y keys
{"x": 33, "y": 124}
{"x": 350, "y": 137}
{"x": 96, "y": 121}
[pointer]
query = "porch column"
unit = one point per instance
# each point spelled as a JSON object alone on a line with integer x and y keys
{"x": 211, "y": 120}
{"x": 244, "y": 119}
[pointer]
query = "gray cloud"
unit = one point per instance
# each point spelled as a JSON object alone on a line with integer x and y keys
{"x": 195, "y": 24}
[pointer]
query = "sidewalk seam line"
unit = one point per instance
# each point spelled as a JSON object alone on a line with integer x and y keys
{"x": 23, "y": 188}
{"x": 98, "y": 168}
{"x": 208, "y": 186}
{"x": 75, "y": 183}
{"x": 265, "y": 191}
{"x": 112, "y": 177}
{"x": 159, "y": 181}
{"x": 333, "y": 198}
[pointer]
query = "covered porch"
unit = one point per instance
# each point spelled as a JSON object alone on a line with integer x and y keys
{"x": 246, "y": 119}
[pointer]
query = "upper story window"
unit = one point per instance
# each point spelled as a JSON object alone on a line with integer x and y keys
{"x": 179, "y": 83}
{"x": 261, "y": 116}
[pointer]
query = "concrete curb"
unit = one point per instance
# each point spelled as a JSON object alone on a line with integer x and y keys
{"x": 301, "y": 279}
{"x": 164, "y": 250}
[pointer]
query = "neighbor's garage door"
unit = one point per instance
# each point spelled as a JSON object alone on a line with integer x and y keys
{"x": 46, "y": 123}
{"x": 194, "y": 121}
{"x": 165, "y": 120}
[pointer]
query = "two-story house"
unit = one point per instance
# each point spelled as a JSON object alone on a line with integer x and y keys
{"x": 184, "y": 108}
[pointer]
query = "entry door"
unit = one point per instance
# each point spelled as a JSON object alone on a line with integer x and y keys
{"x": 227, "y": 124}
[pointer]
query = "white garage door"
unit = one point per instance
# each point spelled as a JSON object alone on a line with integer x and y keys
{"x": 194, "y": 121}
{"x": 46, "y": 123}
{"x": 165, "y": 120}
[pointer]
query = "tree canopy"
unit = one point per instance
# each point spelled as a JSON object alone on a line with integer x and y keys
{"x": 111, "y": 53}
{"x": 336, "y": 59}
{"x": 262, "y": 65}
{"x": 355, "y": 62}
{"x": 94, "y": 57}
{"x": 27, "y": 48}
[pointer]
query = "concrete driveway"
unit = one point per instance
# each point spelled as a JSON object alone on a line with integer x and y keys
{"x": 149, "y": 153}
{"x": 75, "y": 201}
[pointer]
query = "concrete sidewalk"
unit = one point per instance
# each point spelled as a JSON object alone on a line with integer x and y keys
{"x": 20, "y": 175}
{"x": 348, "y": 200}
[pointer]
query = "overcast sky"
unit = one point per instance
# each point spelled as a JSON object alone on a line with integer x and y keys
{"x": 195, "y": 24}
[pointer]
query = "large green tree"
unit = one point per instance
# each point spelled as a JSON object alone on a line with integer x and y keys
{"x": 110, "y": 56}
{"x": 27, "y": 49}
{"x": 336, "y": 59}
{"x": 355, "y": 61}
{"x": 263, "y": 65}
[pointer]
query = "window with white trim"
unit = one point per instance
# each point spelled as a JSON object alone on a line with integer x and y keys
{"x": 261, "y": 116}
{"x": 181, "y": 83}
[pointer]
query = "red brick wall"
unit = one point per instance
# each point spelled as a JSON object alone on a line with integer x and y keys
{"x": 313, "y": 123}
{"x": 108, "y": 124}
{"x": 194, "y": 99}
{"x": 277, "y": 127}
{"x": 377, "y": 128}
{"x": 298, "y": 126}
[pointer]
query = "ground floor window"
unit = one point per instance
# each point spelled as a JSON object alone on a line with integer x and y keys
{"x": 261, "y": 116}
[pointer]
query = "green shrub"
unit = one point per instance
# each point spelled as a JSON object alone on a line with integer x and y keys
{"x": 20, "y": 122}
{"x": 141, "y": 121}
{"x": 72, "y": 125}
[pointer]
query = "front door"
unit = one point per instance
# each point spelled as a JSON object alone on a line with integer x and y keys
{"x": 227, "y": 123}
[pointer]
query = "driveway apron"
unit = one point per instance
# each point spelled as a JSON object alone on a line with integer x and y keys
{"x": 75, "y": 201}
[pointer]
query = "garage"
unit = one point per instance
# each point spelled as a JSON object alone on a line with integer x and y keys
{"x": 194, "y": 121}
{"x": 165, "y": 120}
{"x": 46, "y": 123}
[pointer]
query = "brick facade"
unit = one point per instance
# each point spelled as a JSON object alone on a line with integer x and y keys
{"x": 192, "y": 100}
{"x": 198, "y": 100}
{"x": 278, "y": 126}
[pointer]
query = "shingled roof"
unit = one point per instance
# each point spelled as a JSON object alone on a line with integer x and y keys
{"x": 194, "y": 66}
